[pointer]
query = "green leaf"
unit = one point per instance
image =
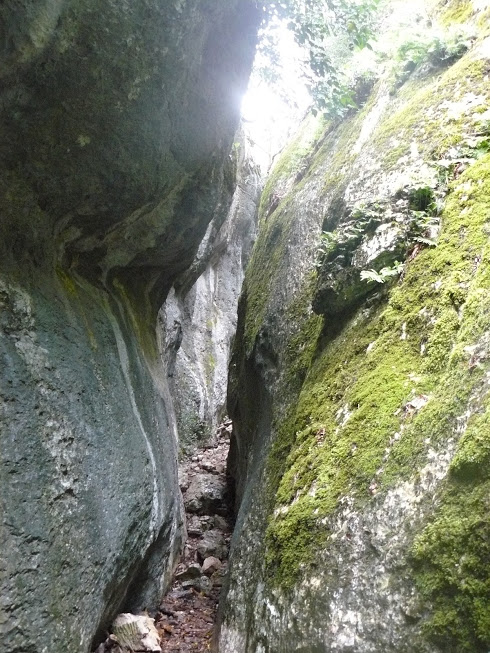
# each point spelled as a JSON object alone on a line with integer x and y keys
{"x": 426, "y": 241}
{"x": 371, "y": 275}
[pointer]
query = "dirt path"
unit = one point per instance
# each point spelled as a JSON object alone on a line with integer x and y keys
{"x": 187, "y": 614}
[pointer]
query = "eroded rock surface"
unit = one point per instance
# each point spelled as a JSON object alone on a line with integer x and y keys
{"x": 200, "y": 314}
{"x": 116, "y": 121}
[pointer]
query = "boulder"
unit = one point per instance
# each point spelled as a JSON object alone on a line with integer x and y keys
{"x": 116, "y": 124}
{"x": 206, "y": 495}
{"x": 192, "y": 571}
{"x": 196, "y": 526}
{"x": 135, "y": 633}
{"x": 213, "y": 544}
{"x": 210, "y": 565}
{"x": 202, "y": 584}
{"x": 221, "y": 523}
{"x": 360, "y": 448}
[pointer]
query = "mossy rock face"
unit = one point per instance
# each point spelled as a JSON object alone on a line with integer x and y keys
{"x": 362, "y": 436}
{"x": 374, "y": 238}
{"x": 116, "y": 123}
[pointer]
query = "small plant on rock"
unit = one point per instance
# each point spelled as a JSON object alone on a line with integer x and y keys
{"x": 424, "y": 217}
{"x": 431, "y": 48}
{"x": 422, "y": 226}
{"x": 384, "y": 274}
{"x": 327, "y": 241}
{"x": 344, "y": 238}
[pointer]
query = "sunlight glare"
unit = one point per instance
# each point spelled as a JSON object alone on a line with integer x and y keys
{"x": 272, "y": 111}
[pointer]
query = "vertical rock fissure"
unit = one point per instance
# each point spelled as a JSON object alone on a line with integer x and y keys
{"x": 195, "y": 330}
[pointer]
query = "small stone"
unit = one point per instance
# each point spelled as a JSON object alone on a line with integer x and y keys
{"x": 184, "y": 481}
{"x": 208, "y": 467}
{"x": 220, "y": 468}
{"x": 202, "y": 584}
{"x": 206, "y": 495}
{"x": 212, "y": 443}
{"x": 206, "y": 585}
{"x": 192, "y": 571}
{"x": 136, "y": 633}
{"x": 195, "y": 527}
{"x": 212, "y": 544}
{"x": 217, "y": 579}
{"x": 221, "y": 523}
{"x": 181, "y": 594}
{"x": 210, "y": 565}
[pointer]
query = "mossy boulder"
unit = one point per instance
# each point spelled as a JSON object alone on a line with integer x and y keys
{"x": 360, "y": 444}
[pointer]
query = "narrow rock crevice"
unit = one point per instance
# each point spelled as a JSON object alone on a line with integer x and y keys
{"x": 196, "y": 327}
{"x": 187, "y": 615}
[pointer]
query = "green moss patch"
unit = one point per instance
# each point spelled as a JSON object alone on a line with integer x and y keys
{"x": 353, "y": 429}
{"x": 442, "y": 127}
{"x": 451, "y": 557}
{"x": 457, "y": 11}
{"x": 452, "y": 562}
{"x": 366, "y": 396}
{"x": 141, "y": 316}
{"x": 293, "y": 160}
{"x": 262, "y": 272}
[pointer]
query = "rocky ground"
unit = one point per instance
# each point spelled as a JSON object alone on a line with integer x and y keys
{"x": 186, "y": 616}
{"x": 187, "y": 613}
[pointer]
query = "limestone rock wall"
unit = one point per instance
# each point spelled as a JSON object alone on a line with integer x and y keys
{"x": 200, "y": 314}
{"x": 360, "y": 406}
{"x": 116, "y": 124}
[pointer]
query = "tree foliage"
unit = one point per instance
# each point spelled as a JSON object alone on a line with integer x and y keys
{"x": 322, "y": 28}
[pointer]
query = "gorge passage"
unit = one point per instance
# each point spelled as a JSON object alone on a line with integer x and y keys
{"x": 356, "y": 363}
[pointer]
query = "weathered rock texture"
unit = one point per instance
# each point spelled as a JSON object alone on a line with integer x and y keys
{"x": 361, "y": 430}
{"x": 200, "y": 314}
{"x": 116, "y": 124}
